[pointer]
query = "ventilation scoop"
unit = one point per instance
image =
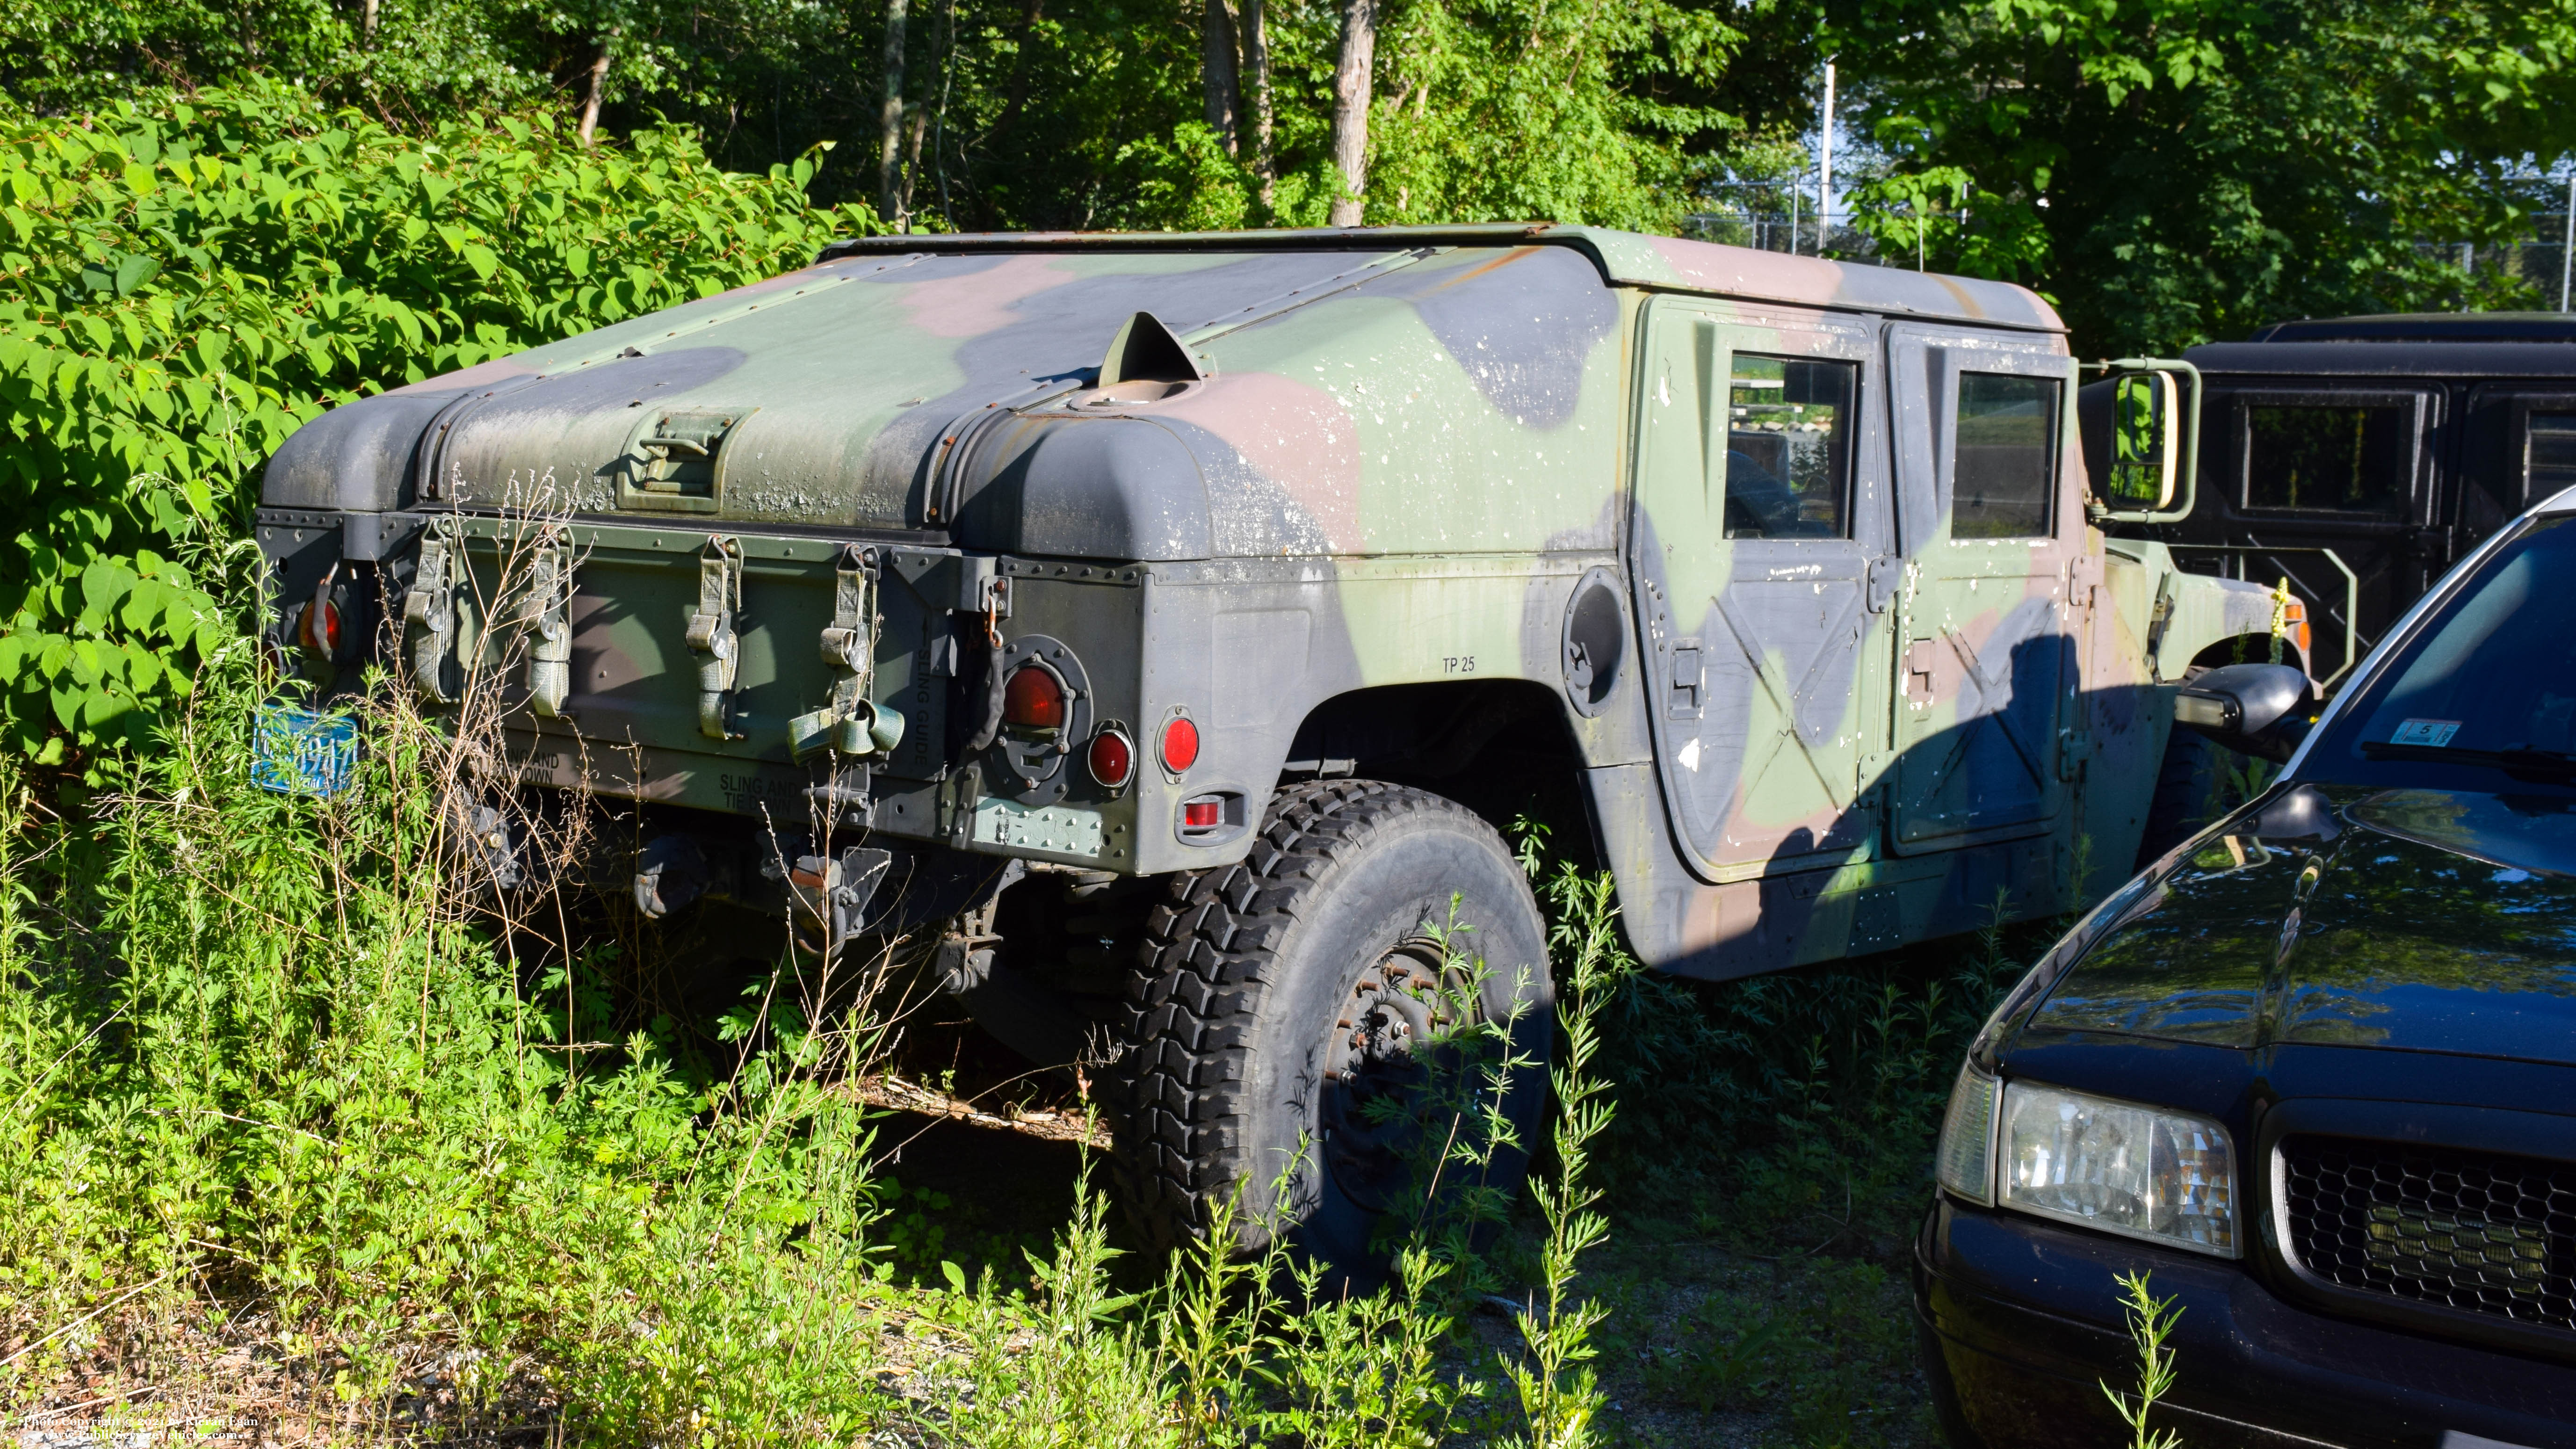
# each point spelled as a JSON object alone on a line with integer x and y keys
{"x": 1146, "y": 361}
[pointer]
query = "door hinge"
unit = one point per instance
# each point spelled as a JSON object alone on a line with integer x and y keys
{"x": 1885, "y": 574}
{"x": 2073, "y": 749}
{"x": 711, "y": 634}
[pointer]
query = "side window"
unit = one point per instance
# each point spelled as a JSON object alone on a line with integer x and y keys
{"x": 1789, "y": 447}
{"x": 2004, "y": 478}
{"x": 2354, "y": 460}
{"x": 2549, "y": 455}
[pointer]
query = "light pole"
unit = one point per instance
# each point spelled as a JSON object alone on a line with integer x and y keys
{"x": 1825, "y": 167}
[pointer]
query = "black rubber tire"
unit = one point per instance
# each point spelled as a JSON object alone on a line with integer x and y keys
{"x": 2186, "y": 784}
{"x": 1247, "y": 969}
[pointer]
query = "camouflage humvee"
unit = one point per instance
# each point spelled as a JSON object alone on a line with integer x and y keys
{"x": 1172, "y": 621}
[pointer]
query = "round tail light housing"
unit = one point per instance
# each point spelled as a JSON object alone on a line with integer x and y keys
{"x": 1033, "y": 699}
{"x": 1180, "y": 744}
{"x": 1112, "y": 758}
{"x": 320, "y": 630}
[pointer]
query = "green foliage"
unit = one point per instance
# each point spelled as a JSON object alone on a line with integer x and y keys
{"x": 253, "y": 1050}
{"x": 1815, "y": 1341}
{"x": 2170, "y": 171}
{"x": 2151, "y": 1322}
{"x": 1517, "y": 110}
{"x": 182, "y": 287}
{"x": 1559, "y": 1393}
{"x": 2188, "y": 169}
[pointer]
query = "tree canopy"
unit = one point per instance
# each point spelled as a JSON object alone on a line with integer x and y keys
{"x": 2168, "y": 171}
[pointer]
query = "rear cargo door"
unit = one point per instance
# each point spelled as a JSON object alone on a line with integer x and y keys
{"x": 1760, "y": 508}
{"x": 1986, "y": 671}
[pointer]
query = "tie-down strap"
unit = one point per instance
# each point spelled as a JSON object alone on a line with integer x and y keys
{"x": 545, "y": 609}
{"x": 429, "y": 615}
{"x": 711, "y": 634}
{"x": 850, "y": 724}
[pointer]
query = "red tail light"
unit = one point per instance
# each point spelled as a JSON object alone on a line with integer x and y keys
{"x": 1112, "y": 758}
{"x": 1181, "y": 746}
{"x": 320, "y": 631}
{"x": 1201, "y": 814}
{"x": 1033, "y": 699}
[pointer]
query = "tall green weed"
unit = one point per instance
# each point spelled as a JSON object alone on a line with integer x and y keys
{"x": 261, "y": 1056}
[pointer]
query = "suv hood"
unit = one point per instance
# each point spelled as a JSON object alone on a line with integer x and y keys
{"x": 2410, "y": 920}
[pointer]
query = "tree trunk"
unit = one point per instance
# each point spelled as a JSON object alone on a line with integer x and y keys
{"x": 915, "y": 121}
{"x": 890, "y": 121}
{"x": 367, "y": 23}
{"x": 1256, "y": 65}
{"x": 590, "y": 100}
{"x": 1351, "y": 93}
{"x": 1216, "y": 71}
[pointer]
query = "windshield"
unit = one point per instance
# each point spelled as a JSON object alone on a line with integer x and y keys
{"x": 2483, "y": 697}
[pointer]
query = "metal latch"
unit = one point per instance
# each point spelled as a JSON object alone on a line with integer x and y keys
{"x": 1918, "y": 672}
{"x": 674, "y": 460}
{"x": 711, "y": 636}
{"x": 850, "y": 724}
{"x": 429, "y": 616}
{"x": 543, "y": 609}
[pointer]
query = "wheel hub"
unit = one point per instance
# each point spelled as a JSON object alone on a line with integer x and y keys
{"x": 1378, "y": 1069}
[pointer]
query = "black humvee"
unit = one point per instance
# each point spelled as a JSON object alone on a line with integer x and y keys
{"x": 2396, "y": 442}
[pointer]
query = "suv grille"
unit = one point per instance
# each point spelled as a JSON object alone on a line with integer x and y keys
{"x": 2470, "y": 1230}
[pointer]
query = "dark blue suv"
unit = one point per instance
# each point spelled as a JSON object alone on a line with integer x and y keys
{"x": 2314, "y": 1071}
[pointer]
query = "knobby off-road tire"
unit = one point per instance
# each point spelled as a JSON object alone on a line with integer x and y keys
{"x": 1241, "y": 1072}
{"x": 2186, "y": 794}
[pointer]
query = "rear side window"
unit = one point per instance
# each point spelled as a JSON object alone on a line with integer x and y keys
{"x": 2328, "y": 459}
{"x": 1788, "y": 447}
{"x": 2549, "y": 455}
{"x": 2005, "y": 475}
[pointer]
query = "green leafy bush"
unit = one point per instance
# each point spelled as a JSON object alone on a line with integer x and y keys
{"x": 183, "y": 287}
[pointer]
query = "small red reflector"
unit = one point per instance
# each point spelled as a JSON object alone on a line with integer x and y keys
{"x": 1112, "y": 758}
{"x": 321, "y": 628}
{"x": 1032, "y": 699}
{"x": 1181, "y": 749}
{"x": 1199, "y": 815}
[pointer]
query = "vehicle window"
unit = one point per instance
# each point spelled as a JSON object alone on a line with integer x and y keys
{"x": 1788, "y": 447}
{"x": 2336, "y": 459}
{"x": 2549, "y": 455}
{"x": 2005, "y": 475}
{"x": 2487, "y": 686}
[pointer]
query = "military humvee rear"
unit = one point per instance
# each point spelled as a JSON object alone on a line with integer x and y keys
{"x": 1171, "y": 621}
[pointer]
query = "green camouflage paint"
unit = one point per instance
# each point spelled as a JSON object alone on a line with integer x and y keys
{"x": 1366, "y": 459}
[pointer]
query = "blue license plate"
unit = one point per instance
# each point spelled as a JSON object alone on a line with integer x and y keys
{"x": 298, "y": 752}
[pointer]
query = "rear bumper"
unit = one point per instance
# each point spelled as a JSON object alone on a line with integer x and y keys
{"x": 2020, "y": 1324}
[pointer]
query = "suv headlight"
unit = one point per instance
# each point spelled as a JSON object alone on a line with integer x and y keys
{"x": 2141, "y": 1171}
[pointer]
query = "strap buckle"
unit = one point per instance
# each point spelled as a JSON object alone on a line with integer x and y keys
{"x": 429, "y": 616}
{"x": 711, "y": 634}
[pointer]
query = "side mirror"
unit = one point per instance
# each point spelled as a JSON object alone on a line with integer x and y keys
{"x": 2253, "y": 709}
{"x": 2140, "y": 429}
